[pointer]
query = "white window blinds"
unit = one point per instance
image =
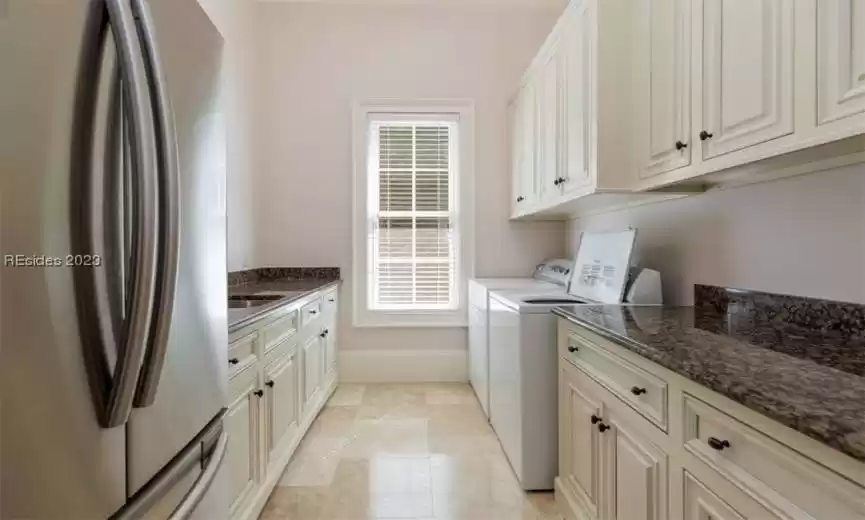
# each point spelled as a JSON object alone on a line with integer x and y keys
{"x": 412, "y": 204}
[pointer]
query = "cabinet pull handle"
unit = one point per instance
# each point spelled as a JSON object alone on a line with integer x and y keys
{"x": 331, "y": 300}
{"x": 269, "y": 384}
{"x": 259, "y": 393}
{"x": 595, "y": 419}
{"x": 705, "y": 135}
{"x": 572, "y": 348}
{"x": 603, "y": 427}
{"x": 680, "y": 145}
{"x": 718, "y": 444}
{"x": 636, "y": 390}
{"x": 233, "y": 361}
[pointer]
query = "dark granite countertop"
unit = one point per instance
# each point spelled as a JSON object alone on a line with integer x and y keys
{"x": 293, "y": 283}
{"x": 812, "y": 381}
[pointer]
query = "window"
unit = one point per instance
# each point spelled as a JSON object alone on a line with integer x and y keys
{"x": 410, "y": 245}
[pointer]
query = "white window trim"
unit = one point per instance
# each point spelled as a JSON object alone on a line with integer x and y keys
{"x": 362, "y": 316}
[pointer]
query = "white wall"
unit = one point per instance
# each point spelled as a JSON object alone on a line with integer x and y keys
{"x": 803, "y": 236}
{"x": 235, "y": 20}
{"x": 315, "y": 60}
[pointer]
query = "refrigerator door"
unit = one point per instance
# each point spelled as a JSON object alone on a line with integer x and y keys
{"x": 57, "y": 461}
{"x": 192, "y": 385}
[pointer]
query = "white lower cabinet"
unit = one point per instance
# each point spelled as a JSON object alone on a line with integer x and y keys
{"x": 607, "y": 465}
{"x": 282, "y": 403}
{"x": 638, "y": 469}
{"x": 579, "y": 438}
{"x": 243, "y": 427}
{"x": 312, "y": 368}
{"x": 712, "y": 460}
{"x": 286, "y": 375}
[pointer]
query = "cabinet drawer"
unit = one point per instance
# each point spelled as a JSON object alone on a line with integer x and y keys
{"x": 243, "y": 382}
{"x": 242, "y": 353}
{"x": 279, "y": 330}
{"x": 764, "y": 468}
{"x": 645, "y": 392}
{"x": 310, "y": 312}
{"x": 702, "y": 504}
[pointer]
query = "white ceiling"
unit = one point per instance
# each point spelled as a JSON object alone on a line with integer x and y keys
{"x": 469, "y": 4}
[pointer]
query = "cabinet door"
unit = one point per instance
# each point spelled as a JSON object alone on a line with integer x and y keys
{"x": 528, "y": 151}
{"x": 637, "y": 471}
{"x": 329, "y": 352}
{"x": 664, "y": 85}
{"x": 282, "y": 403}
{"x": 242, "y": 427}
{"x": 579, "y": 438}
{"x": 311, "y": 367}
{"x": 547, "y": 138}
{"x": 747, "y": 73}
{"x": 577, "y": 77}
{"x": 515, "y": 142}
{"x": 840, "y": 59}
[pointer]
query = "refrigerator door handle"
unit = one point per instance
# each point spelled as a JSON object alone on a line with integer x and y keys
{"x": 169, "y": 206}
{"x": 143, "y": 161}
{"x": 202, "y": 484}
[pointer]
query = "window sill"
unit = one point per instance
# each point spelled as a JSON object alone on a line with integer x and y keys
{"x": 364, "y": 318}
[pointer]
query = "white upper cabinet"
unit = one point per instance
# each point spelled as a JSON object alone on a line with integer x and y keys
{"x": 747, "y": 74}
{"x": 629, "y": 96}
{"x": 664, "y": 77}
{"x": 548, "y": 136}
{"x": 840, "y": 59}
{"x": 576, "y": 100}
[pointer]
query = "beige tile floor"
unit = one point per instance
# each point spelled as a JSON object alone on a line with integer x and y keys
{"x": 403, "y": 451}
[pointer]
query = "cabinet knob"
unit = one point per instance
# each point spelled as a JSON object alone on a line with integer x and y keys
{"x": 520, "y": 199}
{"x": 323, "y": 334}
{"x": 718, "y": 444}
{"x": 636, "y": 390}
{"x": 562, "y": 180}
{"x": 557, "y": 182}
{"x": 331, "y": 300}
{"x": 269, "y": 384}
{"x": 603, "y": 427}
{"x": 259, "y": 393}
{"x": 680, "y": 145}
{"x": 313, "y": 311}
{"x": 705, "y": 135}
{"x": 595, "y": 419}
{"x": 572, "y": 348}
{"x": 233, "y": 361}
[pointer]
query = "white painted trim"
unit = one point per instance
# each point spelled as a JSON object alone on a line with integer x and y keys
{"x": 361, "y": 111}
{"x": 403, "y": 366}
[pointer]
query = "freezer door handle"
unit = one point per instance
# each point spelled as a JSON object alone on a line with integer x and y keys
{"x": 168, "y": 182}
{"x": 202, "y": 484}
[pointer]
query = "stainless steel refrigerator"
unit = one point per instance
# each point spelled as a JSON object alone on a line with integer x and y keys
{"x": 112, "y": 155}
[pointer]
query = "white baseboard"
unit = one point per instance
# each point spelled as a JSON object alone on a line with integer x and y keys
{"x": 403, "y": 366}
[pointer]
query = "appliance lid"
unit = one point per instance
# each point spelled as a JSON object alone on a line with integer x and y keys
{"x": 601, "y": 270}
{"x": 555, "y": 270}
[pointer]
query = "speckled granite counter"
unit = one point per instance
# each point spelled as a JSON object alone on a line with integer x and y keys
{"x": 294, "y": 283}
{"x": 800, "y": 362}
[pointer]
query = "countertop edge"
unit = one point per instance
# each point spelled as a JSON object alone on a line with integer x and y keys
{"x": 267, "y": 310}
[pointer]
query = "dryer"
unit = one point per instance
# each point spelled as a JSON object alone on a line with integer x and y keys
{"x": 551, "y": 276}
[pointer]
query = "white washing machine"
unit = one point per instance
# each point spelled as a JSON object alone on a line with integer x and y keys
{"x": 549, "y": 276}
{"x": 523, "y": 384}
